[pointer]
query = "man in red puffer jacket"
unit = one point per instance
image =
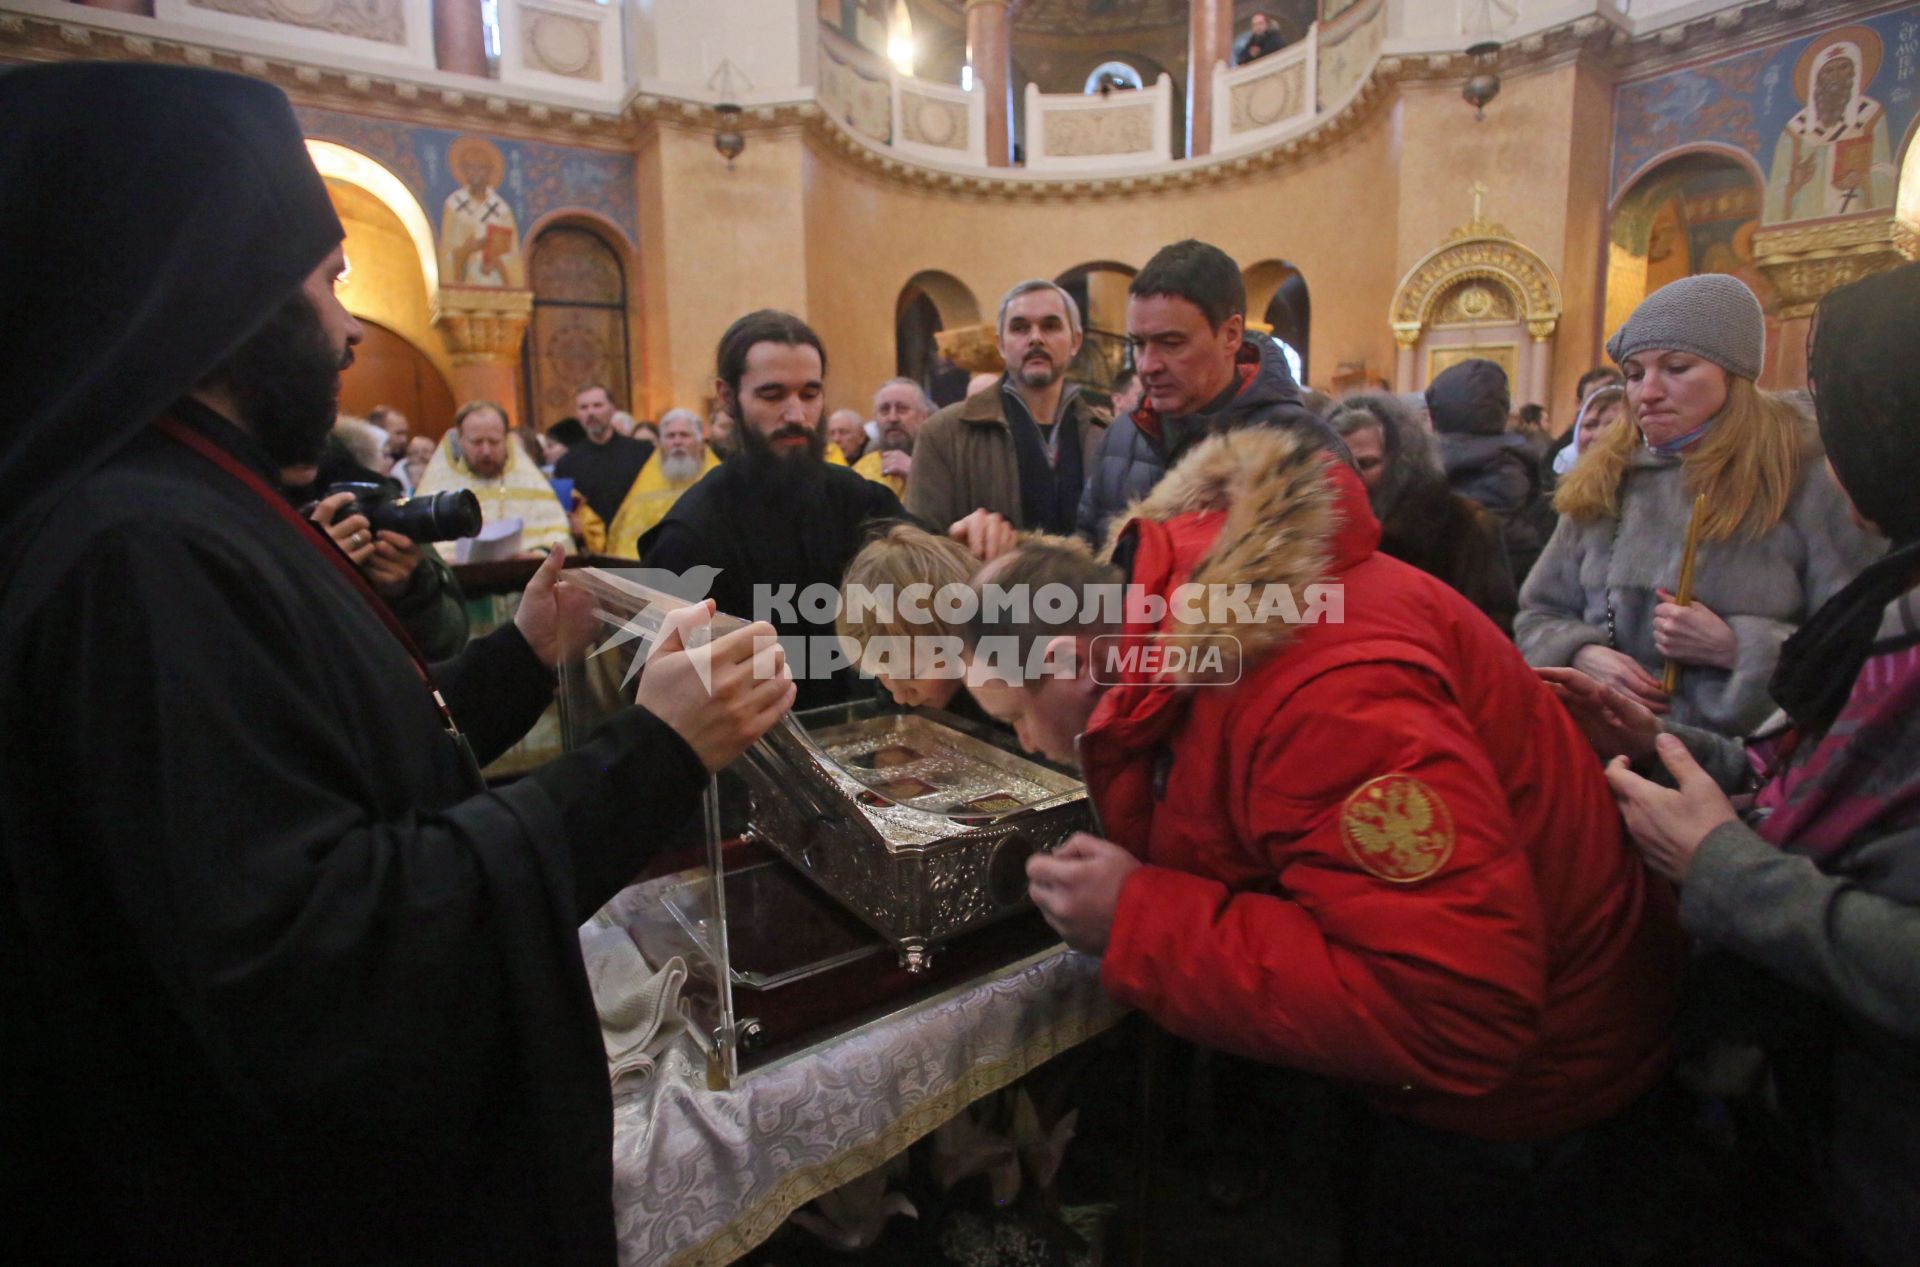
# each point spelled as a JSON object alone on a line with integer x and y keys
{"x": 1370, "y": 846}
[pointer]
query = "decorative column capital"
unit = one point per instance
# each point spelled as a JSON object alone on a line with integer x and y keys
{"x": 483, "y": 325}
{"x": 1542, "y": 328}
{"x": 1804, "y": 262}
{"x": 1406, "y": 335}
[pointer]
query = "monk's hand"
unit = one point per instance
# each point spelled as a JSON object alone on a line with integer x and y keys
{"x": 555, "y": 616}
{"x": 719, "y": 694}
{"x": 1623, "y": 673}
{"x": 1669, "y": 823}
{"x": 389, "y": 568}
{"x": 1616, "y": 724}
{"x": 1077, "y": 887}
{"x": 986, "y": 534}
{"x": 1693, "y": 634}
{"x": 896, "y": 463}
{"x": 354, "y": 534}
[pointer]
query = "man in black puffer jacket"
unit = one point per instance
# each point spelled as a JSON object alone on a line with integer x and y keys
{"x": 1485, "y": 462}
{"x": 1202, "y": 374}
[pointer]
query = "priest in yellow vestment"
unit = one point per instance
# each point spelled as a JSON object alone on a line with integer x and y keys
{"x": 680, "y": 462}
{"x": 478, "y": 455}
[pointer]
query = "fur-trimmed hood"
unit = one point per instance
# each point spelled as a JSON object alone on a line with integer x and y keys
{"x": 1255, "y": 508}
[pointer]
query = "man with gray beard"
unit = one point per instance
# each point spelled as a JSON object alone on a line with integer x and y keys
{"x": 1018, "y": 449}
{"x": 681, "y": 460}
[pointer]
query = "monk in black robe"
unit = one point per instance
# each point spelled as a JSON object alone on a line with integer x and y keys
{"x": 776, "y": 519}
{"x": 284, "y": 982}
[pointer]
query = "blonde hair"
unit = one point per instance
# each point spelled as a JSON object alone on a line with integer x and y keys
{"x": 1747, "y": 466}
{"x": 903, "y": 555}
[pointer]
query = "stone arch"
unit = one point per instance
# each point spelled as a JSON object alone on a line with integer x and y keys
{"x": 932, "y": 302}
{"x": 1482, "y": 281}
{"x": 1099, "y": 287}
{"x": 349, "y": 166}
{"x": 1718, "y": 150}
{"x": 951, "y": 298}
{"x": 390, "y": 282}
{"x": 1277, "y": 298}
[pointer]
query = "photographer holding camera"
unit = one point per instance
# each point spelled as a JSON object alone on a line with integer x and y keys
{"x": 285, "y": 980}
{"x": 381, "y": 529}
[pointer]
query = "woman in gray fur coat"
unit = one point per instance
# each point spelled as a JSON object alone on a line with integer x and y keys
{"x": 1816, "y": 882}
{"x": 1776, "y": 538}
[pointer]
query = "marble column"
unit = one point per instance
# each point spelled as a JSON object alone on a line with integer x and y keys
{"x": 1404, "y": 365}
{"x": 1209, "y": 40}
{"x": 142, "y": 7}
{"x": 990, "y": 46}
{"x": 1539, "y": 365}
{"x": 459, "y": 37}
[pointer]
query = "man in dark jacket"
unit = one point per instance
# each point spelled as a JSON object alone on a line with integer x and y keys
{"x": 284, "y": 981}
{"x": 1485, "y": 462}
{"x": 1186, "y": 319}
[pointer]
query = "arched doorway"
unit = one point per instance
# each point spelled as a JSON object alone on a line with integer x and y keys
{"x": 389, "y": 370}
{"x": 1100, "y": 288}
{"x": 1694, "y": 213}
{"x": 1480, "y": 294}
{"x": 1277, "y": 299}
{"x": 930, "y": 302}
{"x": 578, "y": 333}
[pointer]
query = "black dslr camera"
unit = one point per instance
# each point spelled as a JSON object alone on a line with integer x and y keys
{"x": 444, "y": 516}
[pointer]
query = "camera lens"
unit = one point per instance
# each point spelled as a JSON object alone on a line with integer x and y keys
{"x": 445, "y": 516}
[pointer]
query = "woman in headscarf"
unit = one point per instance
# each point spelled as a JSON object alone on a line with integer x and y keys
{"x": 1775, "y": 537}
{"x": 1597, "y": 412}
{"x": 1819, "y": 885}
{"x": 1422, "y": 520}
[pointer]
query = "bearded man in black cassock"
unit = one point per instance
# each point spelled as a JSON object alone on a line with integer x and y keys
{"x": 284, "y": 982}
{"x": 776, "y": 519}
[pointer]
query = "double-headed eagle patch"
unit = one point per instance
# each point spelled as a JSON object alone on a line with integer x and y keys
{"x": 1397, "y": 828}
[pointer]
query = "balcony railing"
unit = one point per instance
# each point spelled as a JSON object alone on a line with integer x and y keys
{"x": 1124, "y": 133}
{"x": 1266, "y": 100}
{"x": 1119, "y": 131}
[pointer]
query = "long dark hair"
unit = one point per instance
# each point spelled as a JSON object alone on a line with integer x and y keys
{"x": 768, "y": 325}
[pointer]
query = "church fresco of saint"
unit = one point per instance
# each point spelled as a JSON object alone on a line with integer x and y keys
{"x": 482, "y": 192}
{"x": 1716, "y": 164}
{"x": 1824, "y": 118}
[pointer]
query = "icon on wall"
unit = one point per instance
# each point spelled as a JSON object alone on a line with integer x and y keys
{"x": 1833, "y": 158}
{"x": 479, "y": 240}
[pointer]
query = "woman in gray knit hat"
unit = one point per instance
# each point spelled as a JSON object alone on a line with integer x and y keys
{"x": 1776, "y": 539}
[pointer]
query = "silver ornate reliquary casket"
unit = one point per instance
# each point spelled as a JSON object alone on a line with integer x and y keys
{"x": 920, "y": 823}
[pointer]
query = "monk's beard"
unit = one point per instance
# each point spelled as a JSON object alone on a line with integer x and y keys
{"x": 285, "y": 381}
{"x": 788, "y": 472}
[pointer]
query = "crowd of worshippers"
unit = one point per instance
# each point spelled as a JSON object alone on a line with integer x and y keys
{"x": 1603, "y": 789}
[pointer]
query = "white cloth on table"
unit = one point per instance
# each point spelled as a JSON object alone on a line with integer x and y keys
{"x": 639, "y": 1005}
